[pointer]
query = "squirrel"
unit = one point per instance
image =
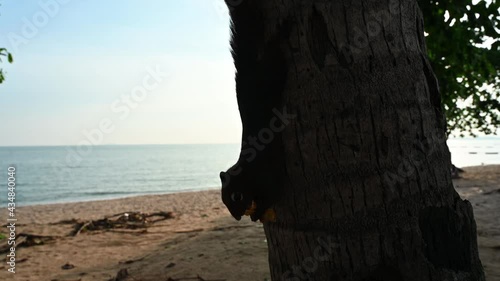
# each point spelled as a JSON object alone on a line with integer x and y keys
{"x": 253, "y": 184}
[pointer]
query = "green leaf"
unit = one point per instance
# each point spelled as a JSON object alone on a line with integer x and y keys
{"x": 9, "y": 57}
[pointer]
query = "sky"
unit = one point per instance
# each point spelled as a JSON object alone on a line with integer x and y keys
{"x": 117, "y": 72}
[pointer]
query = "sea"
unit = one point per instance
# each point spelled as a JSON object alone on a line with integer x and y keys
{"x": 61, "y": 174}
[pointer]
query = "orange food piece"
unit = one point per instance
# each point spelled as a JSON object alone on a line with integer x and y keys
{"x": 250, "y": 211}
{"x": 268, "y": 216}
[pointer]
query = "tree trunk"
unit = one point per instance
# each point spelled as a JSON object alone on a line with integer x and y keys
{"x": 366, "y": 188}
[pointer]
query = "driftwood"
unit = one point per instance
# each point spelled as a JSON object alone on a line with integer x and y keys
{"x": 71, "y": 221}
{"x": 26, "y": 240}
{"x": 126, "y": 220}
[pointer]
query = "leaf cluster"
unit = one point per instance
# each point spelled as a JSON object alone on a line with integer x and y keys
{"x": 4, "y": 54}
{"x": 463, "y": 45}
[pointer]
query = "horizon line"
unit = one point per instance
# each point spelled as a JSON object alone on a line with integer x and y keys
{"x": 116, "y": 144}
{"x": 221, "y": 143}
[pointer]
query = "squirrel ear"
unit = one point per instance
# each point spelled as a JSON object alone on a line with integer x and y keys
{"x": 222, "y": 176}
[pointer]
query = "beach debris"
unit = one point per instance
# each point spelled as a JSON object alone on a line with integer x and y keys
{"x": 170, "y": 265}
{"x": 67, "y": 266}
{"x": 27, "y": 240}
{"x": 127, "y": 220}
{"x": 121, "y": 275}
{"x": 71, "y": 221}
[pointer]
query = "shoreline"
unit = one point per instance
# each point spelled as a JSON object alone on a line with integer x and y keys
{"x": 113, "y": 198}
{"x": 179, "y": 201}
{"x": 132, "y": 195}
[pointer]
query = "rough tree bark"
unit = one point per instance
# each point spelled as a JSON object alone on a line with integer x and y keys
{"x": 366, "y": 187}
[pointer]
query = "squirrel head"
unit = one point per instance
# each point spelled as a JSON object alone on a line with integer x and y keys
{"x": 236, "y": 192}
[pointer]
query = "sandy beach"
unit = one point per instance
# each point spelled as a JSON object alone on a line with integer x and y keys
{"x": 185, "y": 236}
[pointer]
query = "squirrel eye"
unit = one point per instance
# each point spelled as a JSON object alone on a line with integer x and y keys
{"x": 236, "y": 196}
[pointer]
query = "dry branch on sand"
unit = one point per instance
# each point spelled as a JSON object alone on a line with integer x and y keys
{"x": 126, "y": 220}
{"x": 26, "y": 240}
